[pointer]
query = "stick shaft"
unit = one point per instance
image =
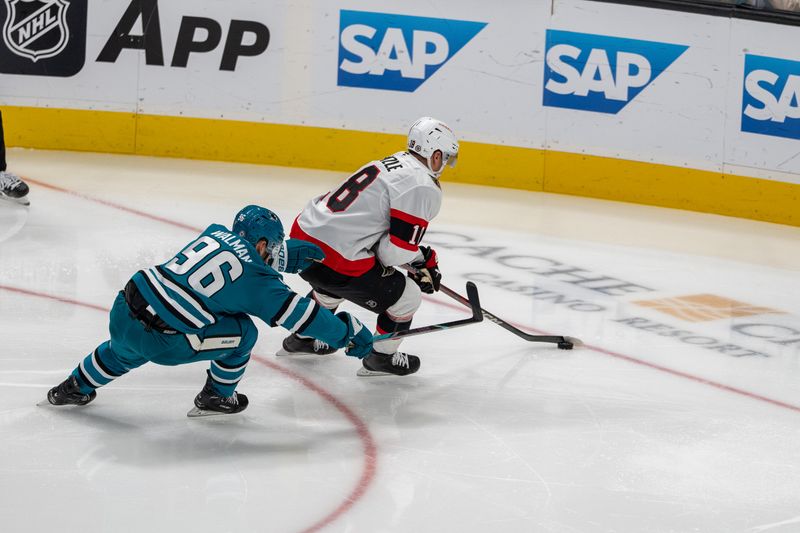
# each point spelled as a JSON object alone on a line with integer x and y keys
{"x": 555, "y": 339}
{"x": 473, "y": 302}
{"x": 563, "y": 343}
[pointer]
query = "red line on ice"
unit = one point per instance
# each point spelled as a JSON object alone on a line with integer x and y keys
{"x": 57, "y": 298}
{"x": 112, "y": 204}
{"x": 367, "y": 440}
{"x": 370, "y": 450}
{"x": 654, "y": 366}
{"x": 598, "y": 349}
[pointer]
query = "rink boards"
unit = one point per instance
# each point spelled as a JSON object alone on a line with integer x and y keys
{"x": 576, "y": 97}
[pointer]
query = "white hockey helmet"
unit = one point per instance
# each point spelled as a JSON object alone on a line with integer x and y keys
{"x": 428, "y": 135}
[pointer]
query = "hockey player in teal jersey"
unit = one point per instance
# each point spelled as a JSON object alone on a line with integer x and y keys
{"x": 195, "y": 307}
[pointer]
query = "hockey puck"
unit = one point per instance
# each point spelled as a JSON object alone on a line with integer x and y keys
{"x": 565, "y": 345}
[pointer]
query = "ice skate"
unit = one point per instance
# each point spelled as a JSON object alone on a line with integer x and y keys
{"x": 296, "y": 345}
{"x": 68, "y": 393}
{"x": 382, "y": 364}
{"x": 14, "y": 189}
{"x": 210, "y": 403}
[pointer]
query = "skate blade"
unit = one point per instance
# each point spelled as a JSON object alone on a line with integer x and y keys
{"x": 19, "y": 201}
{"x": 367, "y": 373}
{"x": 282, "y": 353}
{"x": 45, "y": 403}
{"x": 194, "y": 412}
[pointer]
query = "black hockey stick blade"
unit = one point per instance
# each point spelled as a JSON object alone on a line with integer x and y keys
{"x": 472, "y": 301}
{"x": 563, "y": 342}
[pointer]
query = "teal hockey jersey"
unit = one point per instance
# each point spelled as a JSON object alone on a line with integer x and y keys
{"x": 221, "y": 274}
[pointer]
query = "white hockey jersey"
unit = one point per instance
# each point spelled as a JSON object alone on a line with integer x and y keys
{"x": 382, "y": 210}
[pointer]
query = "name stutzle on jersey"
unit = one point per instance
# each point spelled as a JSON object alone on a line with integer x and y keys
{"x": 382, "y": 211}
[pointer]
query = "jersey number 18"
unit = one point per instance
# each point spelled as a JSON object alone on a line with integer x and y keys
{"x": 345, "y": 195}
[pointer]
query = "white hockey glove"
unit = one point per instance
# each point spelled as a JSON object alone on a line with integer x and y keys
{"x": 295, "y": 256}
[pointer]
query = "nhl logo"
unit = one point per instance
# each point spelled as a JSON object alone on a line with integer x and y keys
{"x": 36, "y": 29}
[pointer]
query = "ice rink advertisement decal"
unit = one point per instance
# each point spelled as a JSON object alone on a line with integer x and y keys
{"x": 705, "y": 307}
{"x": 771, "y": 96}
{"x": 43, "y": 37}
{"x": 397, "y": 52}
{"x": 601, "y": 73}
{"x": 717, "y": 324}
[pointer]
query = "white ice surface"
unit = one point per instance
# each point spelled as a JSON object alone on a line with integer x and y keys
{"x": 634, "y": 433}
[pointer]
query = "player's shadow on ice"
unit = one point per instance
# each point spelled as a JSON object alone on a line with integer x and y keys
{"x": 392, "y": 401}
{"x": 161, "y": 440}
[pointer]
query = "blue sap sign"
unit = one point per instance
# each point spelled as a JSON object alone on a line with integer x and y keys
{"x": 600, "y": 73}
{"x": 397, "y": 52}
{"x": 771, "y": 96}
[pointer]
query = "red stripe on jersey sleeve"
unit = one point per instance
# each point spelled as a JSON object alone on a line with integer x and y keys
{"x": 411, "y": 219}
{"x": 405, "y": 231}
{"x": 400, "y": 243}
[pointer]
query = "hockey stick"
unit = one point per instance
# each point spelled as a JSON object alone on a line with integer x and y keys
{"x": 472, "y": 301}
{"x": 563, "y": 343}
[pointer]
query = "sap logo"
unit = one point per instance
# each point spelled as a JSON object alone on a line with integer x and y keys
{"x": 771, "y": 96}
{"x": 244, "y": 38}
{"x": 397, "y": 52}
{"x": 601, "y": 73}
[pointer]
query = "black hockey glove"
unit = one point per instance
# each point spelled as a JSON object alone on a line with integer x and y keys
{"x": 427, "y": 274}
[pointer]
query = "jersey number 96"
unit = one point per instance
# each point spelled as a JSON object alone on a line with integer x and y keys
{"x": 210, "y": 277}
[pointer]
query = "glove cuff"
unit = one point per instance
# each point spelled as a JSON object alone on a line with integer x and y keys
{"x": 280, "y": 261}
{"x": 430, "y": 258}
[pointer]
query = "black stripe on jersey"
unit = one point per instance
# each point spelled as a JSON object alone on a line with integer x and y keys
{"x": 167, "y": 275}
{"x": 218, "y": 382}
{"x": 168, "y": 305}
{"x": 230, "y": 367}
{"x": 405, "y": 231}
{"x": 85, "y": 378}
{"x": 283, "y": 308}
{"x": 102, "y": 366}
{"x": 309, "y": 320}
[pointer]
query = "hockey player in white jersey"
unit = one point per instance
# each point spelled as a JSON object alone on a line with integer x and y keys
{"x": 374, "y": 221}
